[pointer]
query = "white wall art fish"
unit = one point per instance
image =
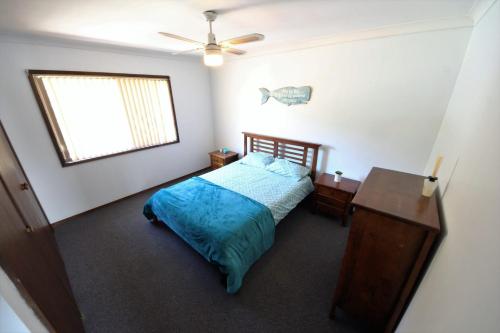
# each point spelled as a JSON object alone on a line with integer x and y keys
{"x": 287, "y": 95}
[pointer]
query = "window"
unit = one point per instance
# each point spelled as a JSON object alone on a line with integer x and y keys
{"x": 96, "y": 115}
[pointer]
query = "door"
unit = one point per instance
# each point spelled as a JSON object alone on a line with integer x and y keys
{"x": 28, "y": 251}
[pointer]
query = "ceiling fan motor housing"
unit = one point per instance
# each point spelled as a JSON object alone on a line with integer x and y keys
{"x": 212, "y": 49}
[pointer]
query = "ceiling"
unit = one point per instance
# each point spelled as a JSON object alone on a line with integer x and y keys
{"x": 136, "y": 22}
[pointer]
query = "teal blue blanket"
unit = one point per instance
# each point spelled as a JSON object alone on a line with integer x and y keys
{"x": 227, "y": 228}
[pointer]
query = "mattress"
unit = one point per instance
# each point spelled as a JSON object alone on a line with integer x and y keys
{"x": 278, "y": 193}
{"x": 228, "y": 229}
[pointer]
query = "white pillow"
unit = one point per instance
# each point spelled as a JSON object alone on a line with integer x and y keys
{"x": 257, "y": 159}
{"x": 288, "y": 169}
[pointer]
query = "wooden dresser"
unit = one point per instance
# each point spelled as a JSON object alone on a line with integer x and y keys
{"x": 393, "y": 228}
{"x": 218, "y": 159}
{"x": 334, "y": 197}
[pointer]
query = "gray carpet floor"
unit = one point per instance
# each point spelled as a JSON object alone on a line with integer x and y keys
{"x": 131, "y": 276}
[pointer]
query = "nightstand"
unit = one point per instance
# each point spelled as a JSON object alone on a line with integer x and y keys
{"x": 218, "y": 159}
{"x": 334, "y": 197}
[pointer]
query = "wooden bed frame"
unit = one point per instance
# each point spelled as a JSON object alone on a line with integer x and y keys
{"x": 300, "y": 152}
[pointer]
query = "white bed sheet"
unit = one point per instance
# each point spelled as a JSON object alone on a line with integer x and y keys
{"x": 279, "y": 193}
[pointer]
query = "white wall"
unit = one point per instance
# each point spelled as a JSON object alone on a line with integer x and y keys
{"x": 9, "y": 321}
{"x": 375, "y": 102}
{"x": 461, "y": 290}
{"x": 16, "y": 316}
{"x": 64, "y": 192}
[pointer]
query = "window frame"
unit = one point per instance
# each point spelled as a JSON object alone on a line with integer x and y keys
{"x": 49, "y": 124}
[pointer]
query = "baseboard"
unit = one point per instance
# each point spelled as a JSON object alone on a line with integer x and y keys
{"x": 170, "y": 182}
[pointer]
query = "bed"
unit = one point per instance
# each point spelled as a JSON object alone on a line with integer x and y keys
{"x": 229, "y": 215}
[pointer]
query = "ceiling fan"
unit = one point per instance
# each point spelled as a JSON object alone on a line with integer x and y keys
{"x": 213, "y": 50}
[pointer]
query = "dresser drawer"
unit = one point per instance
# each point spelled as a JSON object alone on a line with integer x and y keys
{"x": 332, "y": 193}
{"x": 331, "y": 201}
{"x": 215, "y": 160}
{"x": 217, "y": 165}
{"x": 329, "y": 208}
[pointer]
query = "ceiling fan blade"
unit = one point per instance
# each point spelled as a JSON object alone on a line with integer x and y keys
{"x": 187, "y": 51}
{"x": 166, "y": 34}
{"x": 233, "y": 51}
{"x": 243, "y": 39}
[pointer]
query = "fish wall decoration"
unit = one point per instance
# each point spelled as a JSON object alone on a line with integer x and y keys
{"x": 287, "y": 95}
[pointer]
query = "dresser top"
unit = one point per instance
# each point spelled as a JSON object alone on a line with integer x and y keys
{"x": 222, "y": 155}
{"x": 345, "y": 184}
{"x": 398, "y": 194}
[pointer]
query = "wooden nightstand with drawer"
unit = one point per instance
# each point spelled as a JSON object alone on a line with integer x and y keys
{"x": 334, "y": 197}
{"x": 218, "y": 159}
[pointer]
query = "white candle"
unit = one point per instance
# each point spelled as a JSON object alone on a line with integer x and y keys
{"x": 437, "y": 165}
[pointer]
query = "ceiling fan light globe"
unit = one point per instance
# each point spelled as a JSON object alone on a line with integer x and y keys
{"x": 213, "y": 58}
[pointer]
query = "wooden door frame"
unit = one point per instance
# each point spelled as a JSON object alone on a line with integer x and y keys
{"x": 12, "y": 205}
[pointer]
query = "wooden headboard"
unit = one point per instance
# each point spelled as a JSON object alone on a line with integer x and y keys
{"x": 300, "y": 152}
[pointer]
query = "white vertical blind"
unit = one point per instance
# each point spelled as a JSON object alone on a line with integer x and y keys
{"x": 98, "y": 116}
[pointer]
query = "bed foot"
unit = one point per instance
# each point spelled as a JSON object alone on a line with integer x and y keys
{"x": 223, "y": 280}
{"x": 332, "y": 312}
{"x": 155, "y": 222}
